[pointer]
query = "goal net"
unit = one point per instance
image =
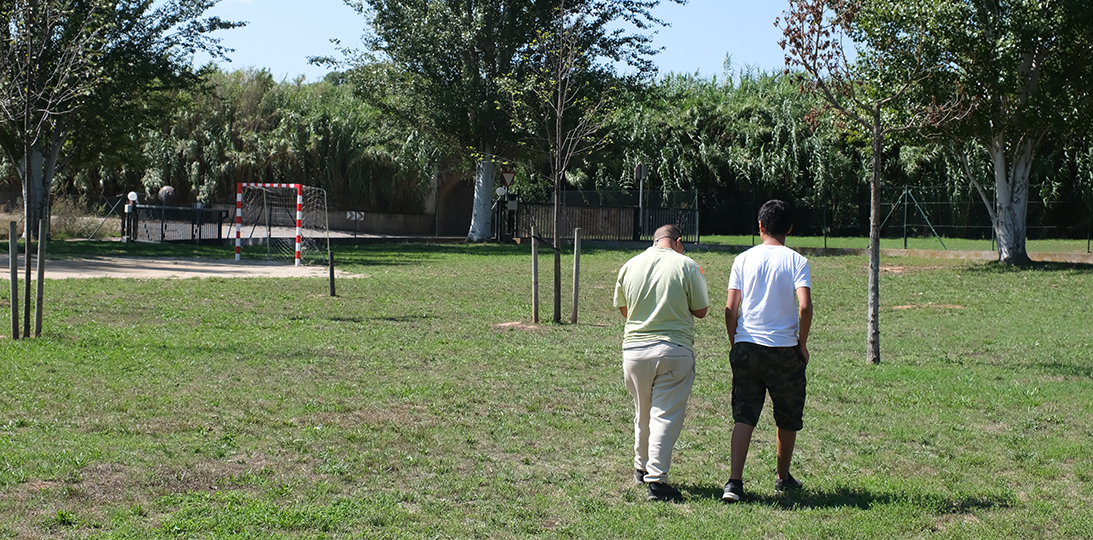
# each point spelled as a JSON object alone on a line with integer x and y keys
{"x": 285, "y": 221}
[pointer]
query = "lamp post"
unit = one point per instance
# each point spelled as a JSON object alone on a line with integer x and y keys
{"x": 127, "y": 223}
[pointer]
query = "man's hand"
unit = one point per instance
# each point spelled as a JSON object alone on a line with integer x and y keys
{"x": 804, "y": 351}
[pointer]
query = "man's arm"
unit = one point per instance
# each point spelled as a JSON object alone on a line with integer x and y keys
{"x": 732, "y": 314}
{"x": 622, "y": 309}
{"x": 804, "y": 316}
{"x": 700, "y": 313}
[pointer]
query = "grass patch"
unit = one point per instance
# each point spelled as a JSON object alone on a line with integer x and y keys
{"x": 405, "y": 408}
{"x": 952, "y": 244}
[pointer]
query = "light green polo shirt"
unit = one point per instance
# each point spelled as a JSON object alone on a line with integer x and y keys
{"x": 659, "y": 289}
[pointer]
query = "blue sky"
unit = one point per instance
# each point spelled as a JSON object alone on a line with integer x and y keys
{"x": 281, "y": 34}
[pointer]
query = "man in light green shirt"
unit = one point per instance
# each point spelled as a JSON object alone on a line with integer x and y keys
{"x": 660, "y": 292}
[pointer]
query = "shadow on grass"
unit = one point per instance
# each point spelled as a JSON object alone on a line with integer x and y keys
{"x": 410, "y": 254}
{"x": 98, "y": 248}
{"x": 864, "y": 499}
{"x": 995, "y": 267}
{"x": 362, "y": 320}
{"x": 1060, "y": 369}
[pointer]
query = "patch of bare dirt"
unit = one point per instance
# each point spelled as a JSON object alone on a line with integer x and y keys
{"x": 168, "y": 268}
{"x": 900, "y": 269}
{"x": 950, "y": 520}
{"x": 517, "y": 325}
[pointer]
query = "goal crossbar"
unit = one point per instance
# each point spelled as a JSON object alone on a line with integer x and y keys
{"x": 239, "y": 213}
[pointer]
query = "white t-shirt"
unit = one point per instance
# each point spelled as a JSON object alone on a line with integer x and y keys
{"x": 768, "y": 278}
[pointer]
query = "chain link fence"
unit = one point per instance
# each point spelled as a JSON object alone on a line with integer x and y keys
{"x": 940, "y": 213}
{"x": 910, "y": 212}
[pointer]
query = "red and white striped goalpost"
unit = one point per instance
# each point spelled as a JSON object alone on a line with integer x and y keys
{"x": 239, "y": 213}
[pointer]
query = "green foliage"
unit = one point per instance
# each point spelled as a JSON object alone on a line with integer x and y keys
{"x": 1018, "y": 70}
{"x": 438, "y": 63}
{"x": 730, "y": 137}
{"x": 99, "y": 65}
{"x": 247, "y": 128}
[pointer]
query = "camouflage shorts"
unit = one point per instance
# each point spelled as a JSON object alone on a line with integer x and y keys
{"x": 756, "y": 370}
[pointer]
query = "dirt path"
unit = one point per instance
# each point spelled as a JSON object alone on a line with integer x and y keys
{"x": 164, "y": 268}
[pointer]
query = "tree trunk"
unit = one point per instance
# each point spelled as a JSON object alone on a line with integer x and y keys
{"x": 482, "y": 213}
{"x": 872, "y": 353}
{"x": 557, "y": 248}
{"x": 1011, "y": 182}
{"x": 37, "y": 180}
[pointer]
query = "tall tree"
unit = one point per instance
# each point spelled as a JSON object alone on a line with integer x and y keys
{"x": 438, "y": 63}
{"x": 879, "y": 93}
{"x": 563, "y": 108}
{"x": 59, "y": 58}
{"x": 1027, "y": 65}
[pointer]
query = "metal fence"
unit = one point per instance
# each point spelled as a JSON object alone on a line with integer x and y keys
{"x": 148, "y": 223}
{"x": 609, "y": 215}
{"x": 932, "y": 211}
{"x": 906, "y": 211}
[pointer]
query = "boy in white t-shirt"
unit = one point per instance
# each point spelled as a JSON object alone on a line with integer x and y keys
{"x": 768, "y": 315}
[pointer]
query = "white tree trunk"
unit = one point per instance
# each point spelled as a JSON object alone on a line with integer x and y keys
{"x": 482, "y": 214}
{"x": 1011, "y": 182}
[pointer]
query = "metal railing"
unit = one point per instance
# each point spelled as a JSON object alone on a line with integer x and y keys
{"x": 148, "y": 223}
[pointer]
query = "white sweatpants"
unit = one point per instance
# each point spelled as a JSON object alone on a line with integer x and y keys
{"x": 659, "y": 376}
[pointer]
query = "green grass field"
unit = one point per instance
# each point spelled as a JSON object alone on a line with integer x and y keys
{"x": 402, "y": 408}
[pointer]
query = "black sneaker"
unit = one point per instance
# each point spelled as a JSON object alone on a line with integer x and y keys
{"x": 639, "y": 476}
{"x": 659, "y": 491}
{"x": 734, "y": 491}
{"x": 781, "y": 485}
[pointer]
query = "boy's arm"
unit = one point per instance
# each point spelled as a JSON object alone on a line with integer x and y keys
{"x": 732, "y": 314}
{"x": 804, "y": 316}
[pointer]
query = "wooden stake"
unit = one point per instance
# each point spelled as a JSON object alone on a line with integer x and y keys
{"x": 13, "y": 262}
{"x": 576, "y": 272}
{"x": 26, "y": 281}
{"x": 534, "y": 278}
{"x": 40, "y": 297}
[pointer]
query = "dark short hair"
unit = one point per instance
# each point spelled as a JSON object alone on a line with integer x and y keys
{"x": 776, "y": 217}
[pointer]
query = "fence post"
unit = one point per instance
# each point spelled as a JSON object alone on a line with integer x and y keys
{"x": 134, "y": 223}
{"x": 13, "y": 262}
{"x": 698, "y": 235}
{"x": 534, "y": 277}
{"x": 754, "y": 213}
{"x": 905, "y": 190}
{"x": 576, "y": 272}
{"x": 40, "y": 296}
{"x": 330, "y": 254}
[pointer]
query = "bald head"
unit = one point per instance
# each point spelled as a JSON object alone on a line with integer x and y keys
{"x": 667, "y": 231}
